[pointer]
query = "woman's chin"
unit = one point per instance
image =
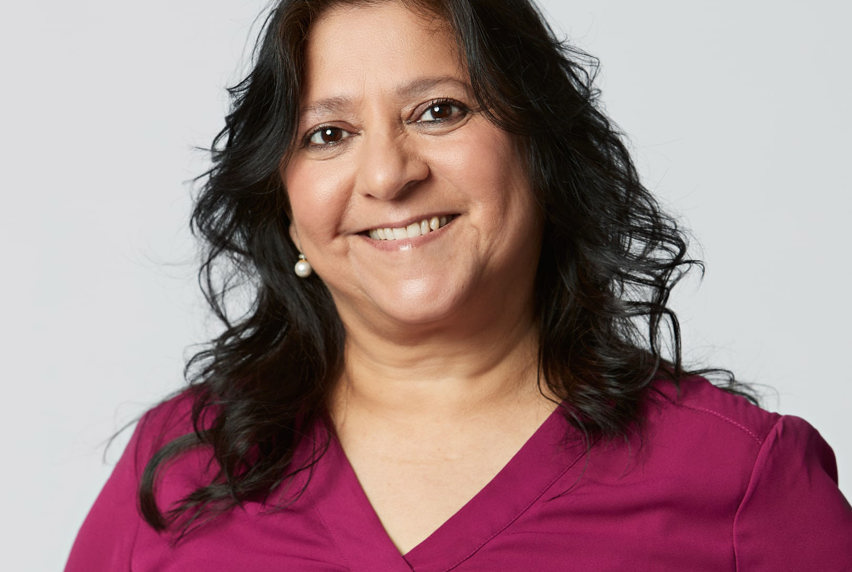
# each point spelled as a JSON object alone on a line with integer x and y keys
{"x": 412, "y": 305}
{"x": 419, "y": 317}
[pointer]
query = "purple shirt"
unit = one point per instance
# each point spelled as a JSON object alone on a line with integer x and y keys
{"x": 711, "y": 483}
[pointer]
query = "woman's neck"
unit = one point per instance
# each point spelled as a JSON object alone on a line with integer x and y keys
{"x": 442, "y": 373}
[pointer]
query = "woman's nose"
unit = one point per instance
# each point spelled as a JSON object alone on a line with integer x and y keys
{"x": 389, "y": 165}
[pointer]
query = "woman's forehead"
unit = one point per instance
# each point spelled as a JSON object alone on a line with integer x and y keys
{"x": 353, "y": 50}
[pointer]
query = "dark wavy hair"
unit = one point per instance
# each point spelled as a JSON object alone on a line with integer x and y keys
{"x": 609, "y": 257}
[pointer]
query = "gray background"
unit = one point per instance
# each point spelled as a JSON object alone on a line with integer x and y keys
{"x": 737, "y": 112}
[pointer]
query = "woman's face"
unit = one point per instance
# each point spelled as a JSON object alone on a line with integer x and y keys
{"x": 410, "y": 205}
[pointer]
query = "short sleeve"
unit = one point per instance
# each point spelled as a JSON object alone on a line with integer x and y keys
{"x": 793, "y": 516}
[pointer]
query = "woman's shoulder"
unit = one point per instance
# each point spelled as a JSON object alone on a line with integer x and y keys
{"x": 694, "y": 422}
{"x": 166, "y": 421}
{"x": 694, "y": 402}
{"x": 162, "y": 425}
{"x": 778, "y": 473}
{"x": 109, "y": 534}
{"x": 715, "y": 432}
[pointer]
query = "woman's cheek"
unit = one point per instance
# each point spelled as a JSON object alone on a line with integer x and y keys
{"x": 315, "y": 195}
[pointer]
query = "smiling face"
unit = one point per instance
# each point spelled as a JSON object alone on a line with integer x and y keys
{"x": 411, "y": 206}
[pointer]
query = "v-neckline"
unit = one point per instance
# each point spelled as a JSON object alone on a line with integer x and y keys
{"x": 357, "y": 530}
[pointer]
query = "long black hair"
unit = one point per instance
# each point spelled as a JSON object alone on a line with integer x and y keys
{"x": 609, "y": 258}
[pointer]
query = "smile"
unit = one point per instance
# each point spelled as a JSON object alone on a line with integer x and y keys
{"x": 413, "y": 230}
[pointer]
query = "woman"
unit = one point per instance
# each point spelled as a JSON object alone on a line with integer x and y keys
{"x": 455, "y": 354}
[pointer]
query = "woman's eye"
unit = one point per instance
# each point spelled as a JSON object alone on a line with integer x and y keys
{"x": 326, "y": 136}
{"x": 442, "y": 111}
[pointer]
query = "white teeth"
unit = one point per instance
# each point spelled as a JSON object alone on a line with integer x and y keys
{"x": 413, "y": 230}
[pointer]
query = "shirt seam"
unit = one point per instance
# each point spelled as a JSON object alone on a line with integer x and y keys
{"x": 317, "y": 509}
{"x": 752, "y": 476}
{"x": 733, "y": 422}
{"x": 517, "y": 516}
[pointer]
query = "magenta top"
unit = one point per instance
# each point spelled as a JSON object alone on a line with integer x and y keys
{"x": 713, "y": 483}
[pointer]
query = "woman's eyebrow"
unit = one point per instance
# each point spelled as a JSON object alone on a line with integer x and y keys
{"x": 405, "y": 91}
{"x": 421, "y": 85}
{"x": 326, "y": 105}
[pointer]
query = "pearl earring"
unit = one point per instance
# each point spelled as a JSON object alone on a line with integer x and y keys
{"x": 303, "y": 267}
